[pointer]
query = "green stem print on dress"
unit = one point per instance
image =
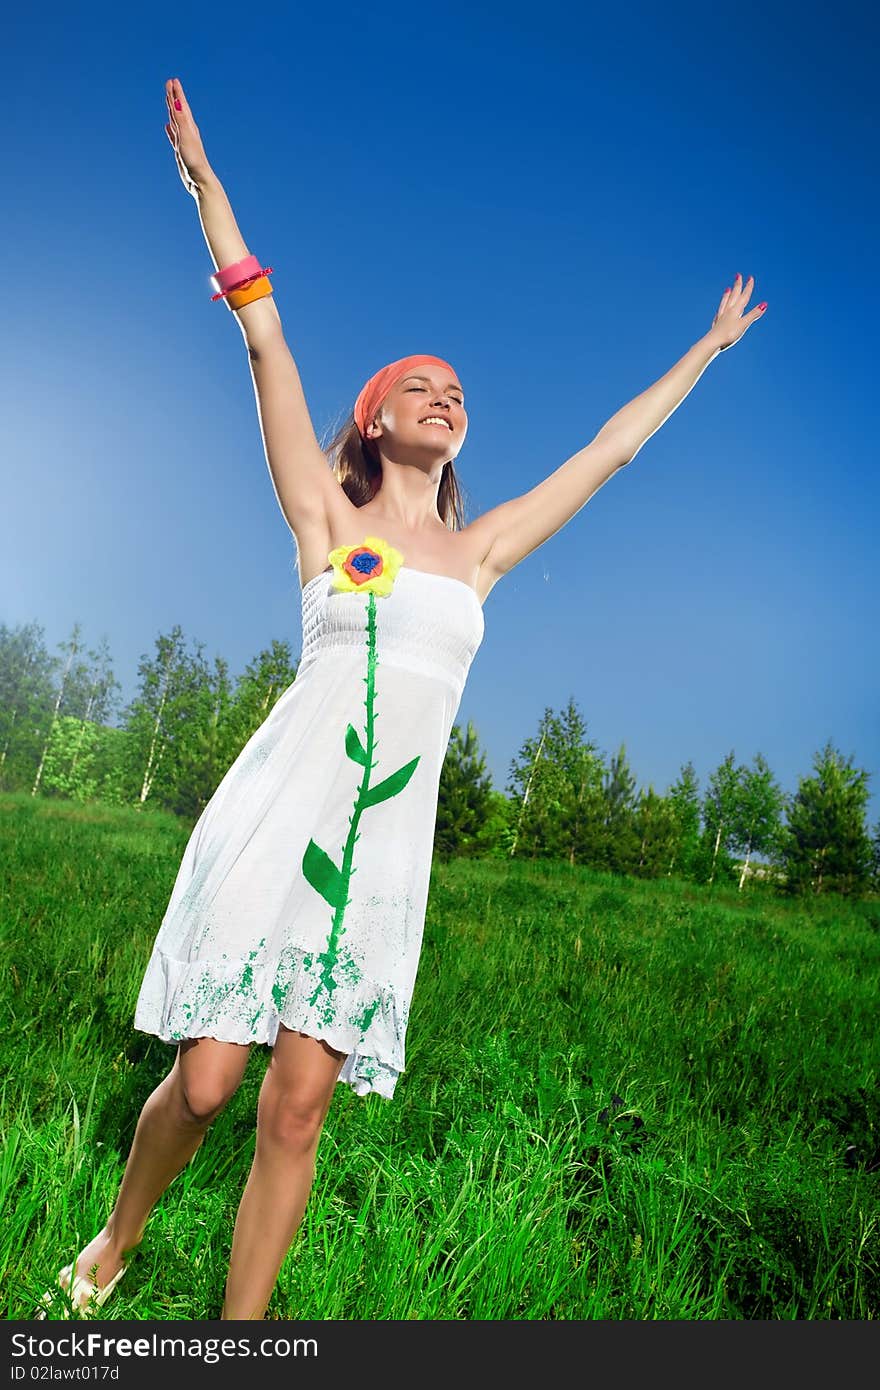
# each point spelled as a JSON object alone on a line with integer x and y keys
{"x": 371, "y": 567}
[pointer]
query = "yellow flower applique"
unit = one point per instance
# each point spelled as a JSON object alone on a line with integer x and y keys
{"x": 369, "y": 568}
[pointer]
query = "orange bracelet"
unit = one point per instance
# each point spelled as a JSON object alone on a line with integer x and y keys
{"x": 236, "y": 299}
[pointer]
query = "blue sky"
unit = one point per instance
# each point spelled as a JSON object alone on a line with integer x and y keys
{"x": 553, "y": 198}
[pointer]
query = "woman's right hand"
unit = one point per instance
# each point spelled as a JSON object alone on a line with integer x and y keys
{"x": 182, "y": 131}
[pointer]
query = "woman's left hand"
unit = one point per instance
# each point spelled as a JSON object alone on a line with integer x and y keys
{"x": 728, "y": 326}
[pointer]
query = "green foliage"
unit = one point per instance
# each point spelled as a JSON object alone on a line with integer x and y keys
{"x": 163, "y": 719}
{"x": 27, "y": 703}
{"x": 264, "y": 681}
{"x": 656, "y": 830}
{"x": 464, "y": 799}
{"x": 623, "y": 1100}
{"x": 205, "y": 751}
{"x": 189, "y": 722}
{"x": 684, "y": 796}
{"x": 620, "y": 843}
{"x": 557, "y": 786}
{"x": 826, "y": 847}
{"x": 495, "y": 834}
{"x": 70, "y": 757}
{"x": 875, "y": 859}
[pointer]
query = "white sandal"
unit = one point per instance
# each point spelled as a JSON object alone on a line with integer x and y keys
{"x": 85, "y": 1294}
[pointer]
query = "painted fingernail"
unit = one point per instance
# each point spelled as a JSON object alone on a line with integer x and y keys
{"x": 763, "y": 306}
{"x": 177, "y": 104}
{"x": 727, "y": 291}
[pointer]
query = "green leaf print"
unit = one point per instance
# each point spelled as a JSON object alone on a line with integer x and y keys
{"x": 323, "y": 874}
{"x": 353, "y": 746}
{"x": 391, "y": 786}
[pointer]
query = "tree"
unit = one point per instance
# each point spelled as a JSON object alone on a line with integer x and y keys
{"x": 757, "y": 814}
{"x": 556, "y": 781}
{"x": 875, "y": 859}
{"x": 684, "y": 798}
{"x": 621, "y": 838}
{"x": 495, "y": 836}
{"x": 71, "y": 647}
{"x": 719, "y": 813}
{"x": 163, "y": 718}
{"x": 583, "y": 774}
{"x": 655, "y": 827}
{"x": 463, "y": 796}
{"x": 72, "y": 764}
{"x": 826, "y": 847}
{"x": 68, "y": 758}
{"x": 223, "y": 722}
{"x": 531, "y": 754}
{"x": 264, "y": 681}
{"x": 205, "y": 754}
{"x": 101, "y": 692}
{"x": 27, "y": 696}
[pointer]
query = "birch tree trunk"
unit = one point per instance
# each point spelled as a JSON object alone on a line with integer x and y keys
{"x": 745, "y": 868}
{"x": 152, "y": 757}
{"x": 715, "y": 851}
{"x": 82, "y": 729}
{"x": 526, "y": 793}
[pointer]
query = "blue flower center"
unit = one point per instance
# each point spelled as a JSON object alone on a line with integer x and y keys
{"x": 365, "y": 563}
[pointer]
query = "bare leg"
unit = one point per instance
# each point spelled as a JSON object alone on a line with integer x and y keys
{"x": 172, "y": 1125}
{"x": 294, "y": 1099}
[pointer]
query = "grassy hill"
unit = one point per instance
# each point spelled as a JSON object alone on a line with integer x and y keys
{"x": 623, "y": 1099}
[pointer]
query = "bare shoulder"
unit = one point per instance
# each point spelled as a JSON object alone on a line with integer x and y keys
{"x": 460, "y": 555}
{"x": 476, "y": 541}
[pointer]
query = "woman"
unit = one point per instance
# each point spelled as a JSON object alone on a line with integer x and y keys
{"x": 297, "y": 913}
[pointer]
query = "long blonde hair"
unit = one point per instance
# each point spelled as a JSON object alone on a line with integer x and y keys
{"x": 357, "y": 467}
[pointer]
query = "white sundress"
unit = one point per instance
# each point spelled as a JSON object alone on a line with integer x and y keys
{"x": 301, "y": 895}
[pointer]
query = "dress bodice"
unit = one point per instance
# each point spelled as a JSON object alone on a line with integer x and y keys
{"x": 429, "y": 623}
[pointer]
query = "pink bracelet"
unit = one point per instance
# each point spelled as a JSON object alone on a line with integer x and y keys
{"x": 238, "y": 276}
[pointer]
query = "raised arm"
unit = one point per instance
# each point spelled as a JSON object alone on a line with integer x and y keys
{"x": 304, "y": 484}
{"x": 511, "y": 531}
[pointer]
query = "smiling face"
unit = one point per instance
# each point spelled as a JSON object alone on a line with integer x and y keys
{"x": 424, "y": 410}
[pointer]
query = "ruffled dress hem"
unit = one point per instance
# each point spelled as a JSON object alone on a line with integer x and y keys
{"x": 226, "y": 1000}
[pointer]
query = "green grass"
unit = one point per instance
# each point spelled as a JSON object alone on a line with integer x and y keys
{"x": 623, "y": 1099}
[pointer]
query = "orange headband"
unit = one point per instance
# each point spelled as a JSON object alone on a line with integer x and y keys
{"x": 373, "y": 394}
